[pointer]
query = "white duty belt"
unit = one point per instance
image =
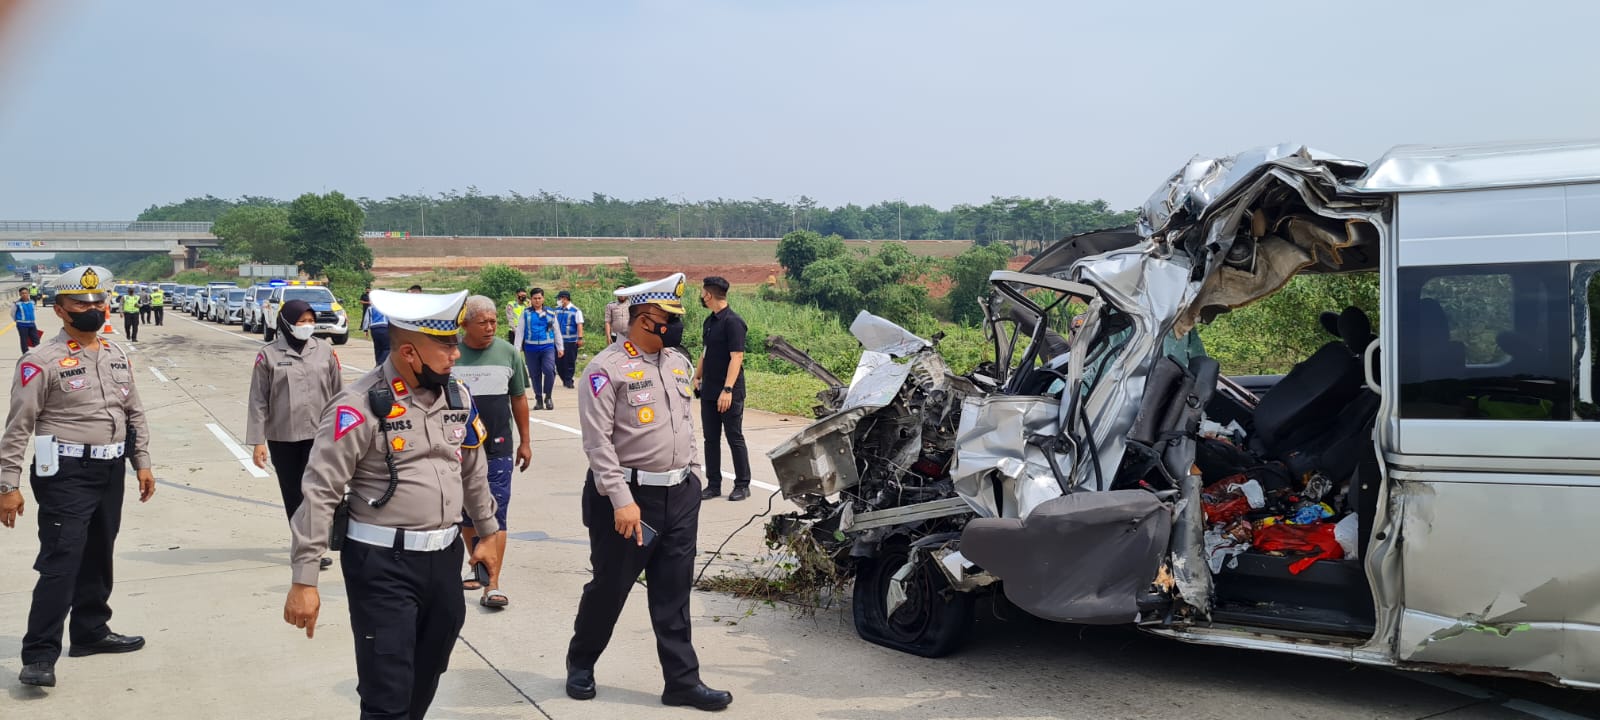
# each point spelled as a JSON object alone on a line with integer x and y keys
{"x": 94, "y": 452}
{"x": 416, "y": 540}
{"x": 659, "y": 479}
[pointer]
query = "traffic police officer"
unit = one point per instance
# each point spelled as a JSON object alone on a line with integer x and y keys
{"x": 402, "y": 446}
{"x": 644, "y": 479}
{"x": 158, "y": 304}
{"x": 74, "y": 401}
{"x": 130, "y": 315}
{"x": 294, "y": 378}
{"x": 616, "y": 317}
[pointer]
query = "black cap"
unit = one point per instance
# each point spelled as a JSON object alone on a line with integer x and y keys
{"x": 563, "y": 294}
{"x": 716, "y": 281}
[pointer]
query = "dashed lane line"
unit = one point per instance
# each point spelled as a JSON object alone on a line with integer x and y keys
{"x": 238, "y": 452}
{"x": 575, "y": 431}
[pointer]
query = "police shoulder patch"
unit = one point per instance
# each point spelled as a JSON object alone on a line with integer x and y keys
{"x": 345, "y": 419}
{"x": 476, "y": 432}
{"x": 261, "y": 357}
{"x": 28, "y": 371}
{"x": 598, "y": 382}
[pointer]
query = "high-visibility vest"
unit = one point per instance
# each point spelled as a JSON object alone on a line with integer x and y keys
{"x": 158, "y": 298}
{"x": 130, "y": 304}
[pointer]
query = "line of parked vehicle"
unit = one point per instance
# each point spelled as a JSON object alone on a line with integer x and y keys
{"x": 255, "y": 308}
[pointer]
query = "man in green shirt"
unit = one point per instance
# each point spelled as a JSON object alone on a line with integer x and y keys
{"x": 497, "y": 376}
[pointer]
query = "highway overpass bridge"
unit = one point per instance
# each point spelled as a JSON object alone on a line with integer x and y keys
{"x": 181, "y": 240}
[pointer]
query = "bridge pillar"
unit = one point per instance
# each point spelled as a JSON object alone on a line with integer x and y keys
{"x": 180, "y": 260}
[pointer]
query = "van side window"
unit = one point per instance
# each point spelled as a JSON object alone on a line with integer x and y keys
{"x": 1586, "y": 303}
{"x": 1486, "y": 342}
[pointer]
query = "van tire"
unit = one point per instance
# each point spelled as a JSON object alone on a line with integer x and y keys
{"x": 269, "y": 335}
{"x": 341, "y": 339}
{"x": 934, "y": 620}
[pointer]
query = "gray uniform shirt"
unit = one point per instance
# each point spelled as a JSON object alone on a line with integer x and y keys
{"x": 437, "y": 455}
{"x": 80, "y": 395}
{"x": 289, "y": 390}
{"x": 635, "y": 412}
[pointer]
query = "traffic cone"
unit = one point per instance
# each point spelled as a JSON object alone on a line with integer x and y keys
{"x": 109, "y": 329}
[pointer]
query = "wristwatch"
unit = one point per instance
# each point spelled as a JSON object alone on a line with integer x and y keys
{"x": 727, "y": 389}
{"x": 6, "y": 489}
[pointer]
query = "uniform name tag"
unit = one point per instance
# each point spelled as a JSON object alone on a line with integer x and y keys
{"x": 393, "y": 425}
{"x": 455, "y": 417}
{"x": 74, "y": 372}
{"x": 285, "y": 363}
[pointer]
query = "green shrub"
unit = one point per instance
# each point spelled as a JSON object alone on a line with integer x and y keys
{"x": 498, "y": 282}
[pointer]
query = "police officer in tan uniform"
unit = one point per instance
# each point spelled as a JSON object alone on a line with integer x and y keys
{"x": 295, "y": 376}
{"x": 641, "y": 500}
{"x": 402, "y": 446}
{"x": 616, "y": 317}
{"x": 74, "y": 402}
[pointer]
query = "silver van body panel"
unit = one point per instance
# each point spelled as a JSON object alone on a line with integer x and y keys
{"x": 1423, "y": 168}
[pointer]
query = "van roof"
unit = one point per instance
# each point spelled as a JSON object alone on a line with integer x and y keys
{"x": 1423, "y": 168}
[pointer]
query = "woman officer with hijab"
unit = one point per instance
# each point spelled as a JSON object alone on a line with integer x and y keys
{"x": 294, "y": 378}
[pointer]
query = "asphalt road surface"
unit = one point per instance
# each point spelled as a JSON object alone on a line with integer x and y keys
{"x": 202, "y": 571}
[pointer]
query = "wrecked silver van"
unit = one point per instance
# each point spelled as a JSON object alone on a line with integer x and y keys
{"x": 1416, "y": 493}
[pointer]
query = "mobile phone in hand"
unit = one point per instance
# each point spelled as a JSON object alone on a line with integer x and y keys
{"x": 480, "y": 572}
{"x": 647, "y": 533}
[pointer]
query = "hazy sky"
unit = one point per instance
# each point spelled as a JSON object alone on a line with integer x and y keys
{"x": 109, "y": 106}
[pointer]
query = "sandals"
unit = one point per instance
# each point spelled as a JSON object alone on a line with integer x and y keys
{"x": 470, "y": 583}
{"x": 494, "y": 599}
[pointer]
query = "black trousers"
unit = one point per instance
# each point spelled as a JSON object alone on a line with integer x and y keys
{"x": 380, "y": 343}
{"x": 406, "y": 610}
{"x": 130, "y": 325}
{"x": 80, "y": 512}
{"x": 144, "y": 314}
{"x": 289, "y": 460}
{"x": 161, "y": 313}
{"x": 668, "y": 564}
{"x": 567, "y": 364}
{"x": 25, "y": 334}
{"x": 715, "y": 425}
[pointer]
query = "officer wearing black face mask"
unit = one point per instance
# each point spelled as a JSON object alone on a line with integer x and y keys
{"x": 402, "y": 446}
{"x": 74, "y": 402}
{"x": 641, "y": 499}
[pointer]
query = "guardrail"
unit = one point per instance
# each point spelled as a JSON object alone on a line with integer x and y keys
{"x": 103, "y": 226}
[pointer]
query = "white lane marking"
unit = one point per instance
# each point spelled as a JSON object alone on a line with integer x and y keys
{"x": 229, "y": 333}
{"x": 575, "y": 431}
{"x": 238, "y": 452}
{"x": 159, "y": 376}
{"x": 352, "y": 368}
{"x": 558, "y": 426}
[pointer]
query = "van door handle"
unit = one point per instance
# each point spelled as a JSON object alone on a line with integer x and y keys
{"x": 1366, "y": 367}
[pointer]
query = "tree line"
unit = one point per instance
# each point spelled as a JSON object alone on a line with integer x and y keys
{"x": 1024, "y": 224}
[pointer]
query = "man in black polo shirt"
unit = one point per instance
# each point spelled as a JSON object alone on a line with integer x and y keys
{"x": 722, "y": 401}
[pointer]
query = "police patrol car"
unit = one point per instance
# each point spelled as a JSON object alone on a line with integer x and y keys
{"x": 332, "y": 320}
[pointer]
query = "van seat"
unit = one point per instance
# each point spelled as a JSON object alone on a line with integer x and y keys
{"x": 1311, "y": 396}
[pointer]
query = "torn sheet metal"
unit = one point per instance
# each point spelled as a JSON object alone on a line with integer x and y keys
{"x": 880, "y": 335}
{"x": 1186, "y": 197}
{"x": 990, "y": 450}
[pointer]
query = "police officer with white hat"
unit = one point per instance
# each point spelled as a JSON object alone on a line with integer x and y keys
{"x": 73, "y": 400}
{"x": 394, "y": 463}
{"x": 641, "y": 500}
